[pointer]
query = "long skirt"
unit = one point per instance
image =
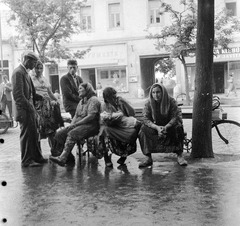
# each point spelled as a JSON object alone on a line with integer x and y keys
{"x": 120, "y": 141}
{"x": 150, "y": 142}
{"x": 49, "y": 117}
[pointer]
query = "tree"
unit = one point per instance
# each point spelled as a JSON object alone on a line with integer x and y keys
{"x": 44, "y": 25}
{"x": 165, "y": 66}
{"x": 202, "y": 105}
{"x": 179, "y": 38}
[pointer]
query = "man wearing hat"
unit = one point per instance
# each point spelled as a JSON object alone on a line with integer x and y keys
{"x": 24, "y": 95}
{"x": 69, "y": 84}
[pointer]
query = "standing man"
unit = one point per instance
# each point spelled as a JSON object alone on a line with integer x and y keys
{"x": 25, "y": 95}
{"x": 69, "y": 84}
{"x": 6, "y": 96}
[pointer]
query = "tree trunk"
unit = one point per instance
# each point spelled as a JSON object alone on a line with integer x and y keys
{"x": 202, "y": 106}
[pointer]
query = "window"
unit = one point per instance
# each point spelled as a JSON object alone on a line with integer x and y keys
{"x": 114, "y": 15}
{"x": 231, "y": 6}
{"x": 155, "y": 16}
{"x": 5, "y": 67}
{"x": 85, "y": 18}
{"x": 114, "y": 77}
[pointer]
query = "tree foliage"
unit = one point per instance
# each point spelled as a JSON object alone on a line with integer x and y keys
{"x": 165, "y": 66}
{"x": 43, "y": 25}
{"x": 179, "y": 38}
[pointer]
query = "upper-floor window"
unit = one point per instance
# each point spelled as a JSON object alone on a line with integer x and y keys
{"x": 232, "y": 7}
{"x": 154, "y": 12}
{"x": 114, "y": 12}
{"x": 86, "y": 18}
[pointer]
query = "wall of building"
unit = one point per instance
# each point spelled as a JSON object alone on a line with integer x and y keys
{"x": 122, "y": 48}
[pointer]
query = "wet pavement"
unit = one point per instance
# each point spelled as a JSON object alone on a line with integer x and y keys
{"x": 206, "y": 192}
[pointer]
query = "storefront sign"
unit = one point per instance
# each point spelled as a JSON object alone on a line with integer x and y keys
{"x": 226, "y": 54}
{"x": 113, "y": 54}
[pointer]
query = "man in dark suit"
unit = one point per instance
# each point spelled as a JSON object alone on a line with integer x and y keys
{"x": 69, "y": 84}
{"x": 24, "y": 95}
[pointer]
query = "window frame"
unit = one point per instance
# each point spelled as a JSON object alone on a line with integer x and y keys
{"x": 109, "y": 80}
{"x": 87, "y": 29}
{"x": 234, "y": 13}
{"x": 120, "y": 14}
{"x": 154, "y": 9}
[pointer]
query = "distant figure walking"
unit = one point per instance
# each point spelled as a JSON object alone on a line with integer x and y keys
{"x": 231, "y": 86}
{"x": 6, "y": 95}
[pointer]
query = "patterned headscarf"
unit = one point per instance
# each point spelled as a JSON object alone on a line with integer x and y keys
{"x": 38, "y": 63}
{"x": 89, "y": 89}
{"x": 164, "y": 101}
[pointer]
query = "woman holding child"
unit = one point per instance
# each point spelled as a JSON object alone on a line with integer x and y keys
{"x": 120, "y": 129}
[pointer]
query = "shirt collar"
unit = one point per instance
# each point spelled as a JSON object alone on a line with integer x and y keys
{"x": 24, "y": 67}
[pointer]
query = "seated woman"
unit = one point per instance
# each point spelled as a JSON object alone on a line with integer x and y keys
{"x": 120, "y": 128}
{"x": 162, "y": 126}
{"x": 48, "y": 109}
{"x": 85, "y": 123}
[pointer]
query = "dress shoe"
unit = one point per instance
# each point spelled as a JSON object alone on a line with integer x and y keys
{"x": 145, "y": 163}
{"x": 32, "y": 164}
{"x": 122, "y": 160}
{"x": 57, "y": 160}
{"x": 181, "y": 161}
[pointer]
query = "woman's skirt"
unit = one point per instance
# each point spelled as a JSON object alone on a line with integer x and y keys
{"x": 172, "y": 142}
{"x": 49, "y": 117}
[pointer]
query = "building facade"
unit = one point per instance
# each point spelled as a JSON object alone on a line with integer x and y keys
{"x": 120, "y": 54}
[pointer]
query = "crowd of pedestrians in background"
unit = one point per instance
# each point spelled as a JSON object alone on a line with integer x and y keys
{"x": 108, "y": 126}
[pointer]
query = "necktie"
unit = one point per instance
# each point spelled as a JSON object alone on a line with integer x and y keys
{"x": 75, "y": 80}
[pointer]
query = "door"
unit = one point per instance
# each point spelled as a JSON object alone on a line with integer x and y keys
{"x": 218, "y": 77}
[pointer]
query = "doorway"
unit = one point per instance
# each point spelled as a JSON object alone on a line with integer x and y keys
{"x": 218, "y": 77}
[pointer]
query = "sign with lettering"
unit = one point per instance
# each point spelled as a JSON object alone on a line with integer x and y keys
{"x": 227, "y": 54}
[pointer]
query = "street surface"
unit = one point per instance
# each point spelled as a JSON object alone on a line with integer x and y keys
{"x": 206, "y": 192}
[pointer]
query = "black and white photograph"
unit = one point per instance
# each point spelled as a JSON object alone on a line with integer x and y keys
{"x": 120, "y": 112}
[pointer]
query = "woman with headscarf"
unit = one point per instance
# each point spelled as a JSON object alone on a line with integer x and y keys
{"x": 85, "y": 124}
{"x": 48, "y": 109}
{"x": 162, "y": 126}
{"x": 120, "y": 128}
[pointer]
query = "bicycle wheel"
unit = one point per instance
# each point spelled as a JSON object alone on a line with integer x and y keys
{"x": 4, "y": 123}
{"x": 226, "y": 137}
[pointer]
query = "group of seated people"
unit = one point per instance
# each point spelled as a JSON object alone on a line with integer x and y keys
{"x": 110, "y": 127}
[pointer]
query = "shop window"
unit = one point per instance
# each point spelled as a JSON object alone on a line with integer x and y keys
{"x": 155, "y": 16}
{"x": 5, "y": 67}
{"x": 86, "y": 18}
{"x": 113, "y": 77}
{"x": 114, "y": 12}
{"x": 232, "y": 7}
{"x": 104, "y": 74}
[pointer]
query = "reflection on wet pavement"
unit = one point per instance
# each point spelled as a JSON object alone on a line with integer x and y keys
{"x": 91, "y": 194}
{"x": 206, "y": 192}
